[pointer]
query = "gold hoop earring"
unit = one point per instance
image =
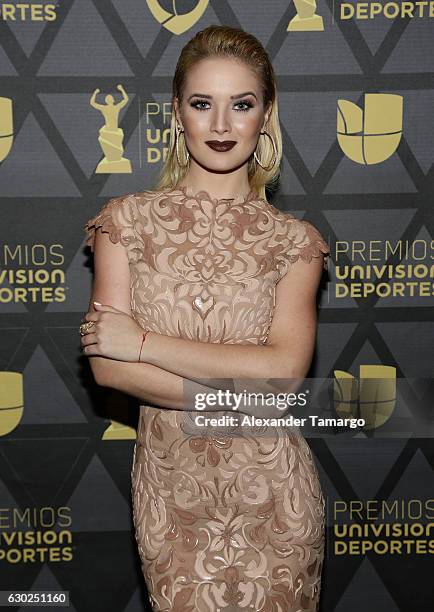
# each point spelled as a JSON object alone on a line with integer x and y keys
{"x": 274, "y": 154}
{"x": 187, "y": 154}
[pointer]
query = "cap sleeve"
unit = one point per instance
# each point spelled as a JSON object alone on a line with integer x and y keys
{"x": 304, "y": 242}
{"x": 108, "y": 219}
{"x": 307, "y": 242}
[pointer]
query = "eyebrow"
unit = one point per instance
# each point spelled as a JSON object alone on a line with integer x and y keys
{"x": 246, "y": 93}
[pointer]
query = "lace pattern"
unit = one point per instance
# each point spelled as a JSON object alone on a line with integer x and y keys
{"x": 221, "y": 523}
{"x": 202, "y": 268}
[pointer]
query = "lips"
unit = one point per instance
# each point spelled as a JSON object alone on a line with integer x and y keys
{"x": 221, "y": 145}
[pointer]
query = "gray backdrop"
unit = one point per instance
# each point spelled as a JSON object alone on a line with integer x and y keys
{"x": 53, "y": 461}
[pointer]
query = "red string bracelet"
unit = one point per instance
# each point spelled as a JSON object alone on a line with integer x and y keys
{"x": 143, "y": 339}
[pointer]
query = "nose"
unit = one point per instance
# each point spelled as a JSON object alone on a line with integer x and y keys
{"x": 220, "y": 122}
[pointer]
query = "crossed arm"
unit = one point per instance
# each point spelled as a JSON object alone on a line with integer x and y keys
{"x": 160, "y": 381}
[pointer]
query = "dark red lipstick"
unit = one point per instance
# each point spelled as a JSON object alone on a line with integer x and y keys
{"x": 221, "y": 145}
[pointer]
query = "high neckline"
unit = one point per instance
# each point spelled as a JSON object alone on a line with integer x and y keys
{"x": 189, "y": 192}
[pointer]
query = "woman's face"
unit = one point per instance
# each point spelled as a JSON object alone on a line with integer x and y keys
{"x": 222, "y": 101}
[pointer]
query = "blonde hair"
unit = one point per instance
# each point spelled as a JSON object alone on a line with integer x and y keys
{"x": 228, "y": 42}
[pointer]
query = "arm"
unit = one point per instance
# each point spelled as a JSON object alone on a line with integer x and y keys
{"x": 125, "y": 97}
{"x": 143, "y": 381}
{"x": 111, "y": 285}
{"x": 292, "y": 334}
{"x": 93, "y": 101}
{"x": 288, "y": 351}
{"x": 154, "y": 383}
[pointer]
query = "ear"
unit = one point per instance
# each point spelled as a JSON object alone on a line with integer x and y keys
{"x": 177, "y": 113}
{"x": 267, "y": 115}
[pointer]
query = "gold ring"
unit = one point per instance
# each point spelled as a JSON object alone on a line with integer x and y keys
{"x": 84, "y": 327}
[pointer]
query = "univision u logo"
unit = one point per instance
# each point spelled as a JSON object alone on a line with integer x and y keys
{"x": 178, "y": 20}
{"x": 6, "y": 127}
{"x": 372, "y": 396}
{"x": 372, "y": 136}
{"x": 11, "y": 401}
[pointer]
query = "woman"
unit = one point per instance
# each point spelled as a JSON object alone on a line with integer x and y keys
{"x": 225, "y": 286}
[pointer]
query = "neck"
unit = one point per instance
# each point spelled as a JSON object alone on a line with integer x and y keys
{"x": 219, "y": 190}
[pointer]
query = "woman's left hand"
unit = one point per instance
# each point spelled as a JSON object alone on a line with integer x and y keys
{"x": 115, "y": 334}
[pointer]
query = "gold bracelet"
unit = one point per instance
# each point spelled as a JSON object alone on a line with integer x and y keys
{"x": 145, "y": 333}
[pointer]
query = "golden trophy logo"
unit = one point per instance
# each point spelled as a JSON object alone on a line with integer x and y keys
{"x": 111, "y": 135}
{"x": 306, "y": 19}
{"x": 372, "y": 397}
{"x": 11, "y": 401}
{"x": 6, "y": 127}
{"x": 372, "y": 136}
{"x": 176, "y": 19}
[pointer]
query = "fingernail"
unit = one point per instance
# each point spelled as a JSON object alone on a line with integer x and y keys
{"x": 97, "y": 303}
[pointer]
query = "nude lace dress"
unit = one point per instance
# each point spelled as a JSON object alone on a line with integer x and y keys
{"x": 222, "y": 523}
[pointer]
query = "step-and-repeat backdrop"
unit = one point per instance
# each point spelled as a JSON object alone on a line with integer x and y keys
{"x": 356, "y": 100}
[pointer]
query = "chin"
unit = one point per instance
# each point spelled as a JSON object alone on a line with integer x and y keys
{"x": 214, "y": 168}
{"x": 225, "y": 162}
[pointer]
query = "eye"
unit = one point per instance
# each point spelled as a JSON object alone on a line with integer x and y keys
{"x": 247, "y": 105}
{"x": 195, "y": 104}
